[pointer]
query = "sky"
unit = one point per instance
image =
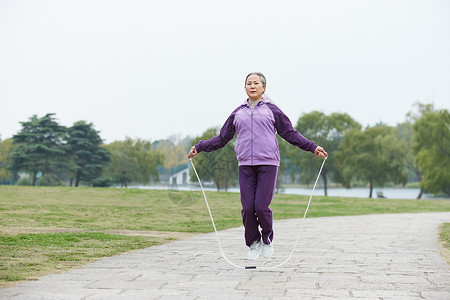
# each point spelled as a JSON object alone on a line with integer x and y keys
{"x": 174, "y": 68}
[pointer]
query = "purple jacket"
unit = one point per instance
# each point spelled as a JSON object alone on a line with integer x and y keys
{"x": 256, "y": 142}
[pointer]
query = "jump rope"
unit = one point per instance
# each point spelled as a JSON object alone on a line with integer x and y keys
{"x": 217, "y": 234}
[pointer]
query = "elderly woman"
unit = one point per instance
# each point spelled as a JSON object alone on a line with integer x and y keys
{"x": 256, "y": 123}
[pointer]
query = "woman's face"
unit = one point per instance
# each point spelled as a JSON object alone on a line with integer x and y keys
{"x": 254, "y": 87}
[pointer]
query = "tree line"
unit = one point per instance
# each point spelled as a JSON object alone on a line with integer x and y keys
{"x": 381, "y": 155}
{"x": 45, "y": 153}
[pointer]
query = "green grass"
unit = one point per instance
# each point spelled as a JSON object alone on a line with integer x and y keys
{"x": 445, "y": 235}
{"x": 444, "y": 238}
{"x": 92, "y": 209}
{"x": 27, "y": 256}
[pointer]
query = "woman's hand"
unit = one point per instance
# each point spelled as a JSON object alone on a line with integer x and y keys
{"x": 319, "y": 152}
{"x": 193, "y": 152}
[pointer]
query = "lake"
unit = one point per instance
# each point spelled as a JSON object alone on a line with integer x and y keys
{"x": 393, "y": 193}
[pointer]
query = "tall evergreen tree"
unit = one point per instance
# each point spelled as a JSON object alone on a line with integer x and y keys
{"x": 87, "y": 158}
{"x": 40, "y": 147}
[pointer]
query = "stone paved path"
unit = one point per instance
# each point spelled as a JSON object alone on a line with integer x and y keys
{"x": 368, "y": 257}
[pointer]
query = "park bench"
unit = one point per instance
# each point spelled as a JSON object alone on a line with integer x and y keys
{"x": 380, "y": 194}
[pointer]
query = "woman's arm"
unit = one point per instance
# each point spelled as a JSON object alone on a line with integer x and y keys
{"x": 225, "y": 135}
{"x": 285, "y": 129}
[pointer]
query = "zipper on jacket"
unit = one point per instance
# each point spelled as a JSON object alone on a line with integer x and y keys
{"x": 251, "y": 136}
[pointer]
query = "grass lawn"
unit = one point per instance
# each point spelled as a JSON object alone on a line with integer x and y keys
{"x": 445, "y": 241}
{"x": 47, "y": 229}
{"x": 29, "y": 256}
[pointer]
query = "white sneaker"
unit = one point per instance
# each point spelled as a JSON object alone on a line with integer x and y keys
{"x": 267, "y": 250}
{"x": 253, "y": 253}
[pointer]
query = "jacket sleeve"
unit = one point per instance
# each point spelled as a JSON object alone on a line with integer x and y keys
{"x": 225, "y": 135}
{"x": 285, "y": 129}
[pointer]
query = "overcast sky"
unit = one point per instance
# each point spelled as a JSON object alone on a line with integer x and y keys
{"x": 152, "y": 69}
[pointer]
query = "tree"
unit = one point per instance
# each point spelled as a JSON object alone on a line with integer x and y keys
{"x": 147, "y": 160}
{"x": 87, "y": 158}
{"x": 328, "y": 132}
{"x": 39, "y": 147}
{"x": 431, "y": 146}
{"x": 174, "y": 154}
{"x": 288, "y": 165}
{"x": 220, "y": 166}
{"x": 6, "y": 147}
{"x": 411, "y": 119}
{"x": 133, "y": 161}
{"x": 406, "y": 132}
{"x": 374, "y": 155}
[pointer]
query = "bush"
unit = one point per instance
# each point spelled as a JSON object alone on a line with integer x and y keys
{"x": 24, "y": 181}
{"x": 49, "y": 180}
{"x": 413, "y": 185}
{"x": 102, "y": 182}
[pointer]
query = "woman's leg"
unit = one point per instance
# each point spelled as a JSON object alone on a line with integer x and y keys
{"x": 247, "y": 185}
{"x": 265, "y": 189}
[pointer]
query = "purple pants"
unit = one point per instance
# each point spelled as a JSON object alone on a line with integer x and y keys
{"x": 257, "y": 185}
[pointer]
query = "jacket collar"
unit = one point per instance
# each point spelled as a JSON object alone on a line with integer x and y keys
{"x": 263, "y": 100}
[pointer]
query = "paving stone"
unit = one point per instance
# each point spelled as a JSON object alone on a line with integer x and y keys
{"x": 392, "y": 256}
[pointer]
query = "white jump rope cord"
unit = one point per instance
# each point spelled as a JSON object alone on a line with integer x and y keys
{"x": 217, "y": 234}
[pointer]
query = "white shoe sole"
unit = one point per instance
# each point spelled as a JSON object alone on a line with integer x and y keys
{"x": 267, "y": 250}
{"x": 253, "y": 254}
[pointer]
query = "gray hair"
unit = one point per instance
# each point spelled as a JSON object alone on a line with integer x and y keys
{"x": 261, "y": 76}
